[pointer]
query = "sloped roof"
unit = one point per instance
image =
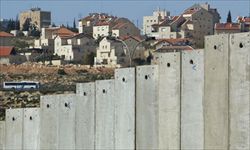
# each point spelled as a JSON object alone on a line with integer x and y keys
{"x": 5, "y": 50}
{"x": 64, "y": 32}
{"x": 174, "y": 48}
{"x": 119, "y": 25}
{"x": 173, "y": 41}
{"x": 243, "y": 19}
{"x": 190, "y": 11}
{"x": 101, "y": 23}
{"x": 5, "y": 34}
{"x": 227, "y": 26}
{"x": 130, "y": 36}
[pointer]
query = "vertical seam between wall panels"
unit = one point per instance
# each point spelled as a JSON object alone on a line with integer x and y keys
{"x": 135, "y": 96}
{"x": 204, "y": 93}
{"x": 94, "y": 94}
{"x": 228, "y": 92}
{"x": 180, "y": 87}
{"x": 22, "y": 109}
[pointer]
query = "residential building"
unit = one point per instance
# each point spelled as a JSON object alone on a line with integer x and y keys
{"x": 199, "y": 23}
{"x": 39, "y": 18}
{"x": 227, "y": 28}
{"x": 245, "y": 21}
{"x": 157, "y": 17}
{"x": 8, "y": 55}
{"x": 48, "y": 35}
{"x": 6, "y": 39}
{"x": 124, "y": 27}
{"x": 72, "y": 47}
{"x": 212, "y": 11}
{"x": 85, "y": 25}
{"x": 194, "y": 23}
{"x": 167, "y": 49}
{"x": 115, "y": 27}
{"x": 171, "y": 42}
{"x": 101, "y": 29}
{"x": 110, "y": 53}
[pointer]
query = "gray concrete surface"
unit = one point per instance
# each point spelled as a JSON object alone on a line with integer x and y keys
{"x": 239, "y": 87}
{"x": 85, "y": 116}
{"x": 125, "y": 108}
{"x": 49, "y": 122}
{"x": 14, "y": 129}
{"x": 67, "y": 111}
{"x": 2, "y": 134}
{"x": 216, "y": 92}
{"x": 31, "y": 128}
{"x": 147, "y": 110}
{"x": 169, "y": 100}
{"x": 192, "y": 89}
{"x": 105, "y": 115}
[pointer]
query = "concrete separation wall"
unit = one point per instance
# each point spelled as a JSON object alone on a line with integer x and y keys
{"x": 67, "y": 110}
{"x": 169, "y": 100}
{"x": 49, "y": 122}
{"x": 216, "y": 92}
{"x": 14, "y": 129}
{"x": 31, "y": 128}
{"x": 2, "y": 134}
{"x": 105, "y": 115}
{"x": 192, "y": 89}
{"x": 125, "y": 108}
{"x": 147, "y": 107}
{"x": 189, "y": 100}
{"x": 85, "y": 116}
{"x": 239, "y": 87}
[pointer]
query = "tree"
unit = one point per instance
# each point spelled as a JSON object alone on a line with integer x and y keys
{"x": 229, "y": 17}
{"x": 74, "y": 24}
{"x": 26, "y": 25}
{"x": 17, "y": 23}
{"x": 53, "y": 24}
{"x": 89, "y": 59}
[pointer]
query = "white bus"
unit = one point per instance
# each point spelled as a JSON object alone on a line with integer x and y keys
{"x": 21, "y": 85}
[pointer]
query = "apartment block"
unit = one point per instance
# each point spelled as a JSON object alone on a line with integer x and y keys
{"x": 39, "y": 18}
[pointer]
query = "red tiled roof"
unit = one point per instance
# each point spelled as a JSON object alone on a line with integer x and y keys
{"x": 175, "y": 18}
{"x": 64, "y": 32}
{"x": 227, "y": 26}
{"x": 5, "y": 34}
{"x": 243, "y": 19}
{"x": 190, "y": 11}
{"x": 5, "y": 50}
{"x": 102, "y": 24}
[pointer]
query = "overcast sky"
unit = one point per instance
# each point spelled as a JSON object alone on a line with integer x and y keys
{"x": 64, "y": 11}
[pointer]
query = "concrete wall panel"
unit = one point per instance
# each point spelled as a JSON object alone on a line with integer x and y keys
{"x": 239, "y": 97}
{"x": 49, "y": 122}
{"x": 67, "y": 110}
{"x": 147, "y": 107}
{"x": 85, "y": 116}
{"x": 14, "y": 128}
{"x": 31, "y": 128}
{"x": 169, "y": 100}
{"x": 2, "y": 134}
{"x": 216, "y": 91}
{"x": 125, "y": 108}
{"x": 192, "y": 93}
{"x": 105, "y": 117}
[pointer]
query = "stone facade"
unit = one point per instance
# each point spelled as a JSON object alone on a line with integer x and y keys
{"x": 38, "y": 17}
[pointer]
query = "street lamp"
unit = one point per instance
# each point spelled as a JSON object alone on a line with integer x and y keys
{"x": 131, "y": 53}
